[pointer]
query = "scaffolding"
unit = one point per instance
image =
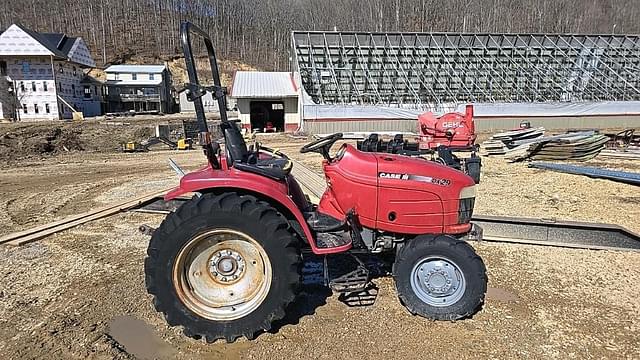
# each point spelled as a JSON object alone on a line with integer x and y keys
{"x": 438, "y": 71}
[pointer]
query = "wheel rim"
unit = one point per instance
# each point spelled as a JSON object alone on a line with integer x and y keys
{"x": 438, "y": 281}
{"x": 222, "y": 274}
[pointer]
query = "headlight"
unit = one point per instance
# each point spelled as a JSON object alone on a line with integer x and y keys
{"x": 468, "y": 192}
{"x": 466, "y": 203}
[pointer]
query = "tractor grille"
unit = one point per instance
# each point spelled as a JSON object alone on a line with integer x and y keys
{"x": 465, "y": 210}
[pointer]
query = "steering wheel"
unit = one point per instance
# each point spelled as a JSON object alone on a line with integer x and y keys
{"x": 322, "y": 145}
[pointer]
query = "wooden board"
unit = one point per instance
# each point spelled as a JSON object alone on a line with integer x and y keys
{"x": 311, "y": 182}
{"x": 38, "y": 232}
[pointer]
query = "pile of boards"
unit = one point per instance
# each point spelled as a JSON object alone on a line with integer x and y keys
{"x": 531, "y": 144}
{"x": 501, "y": 143}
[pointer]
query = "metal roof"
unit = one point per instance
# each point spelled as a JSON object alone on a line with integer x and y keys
{"x": 259, "y": 84}
{"x": 434, "y": 71}
{"x": 147, "y": 69}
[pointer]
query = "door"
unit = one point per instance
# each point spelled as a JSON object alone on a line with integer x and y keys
{"x": 267, "y": 116}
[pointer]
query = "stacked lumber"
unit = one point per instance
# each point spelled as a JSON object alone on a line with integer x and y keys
{"x": 501, "y": 143}
{"x": 576, "y": 146}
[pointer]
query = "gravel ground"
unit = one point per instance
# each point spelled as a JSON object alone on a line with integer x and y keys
{"x": 80, "y": 293}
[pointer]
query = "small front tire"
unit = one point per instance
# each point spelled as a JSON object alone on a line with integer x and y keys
{"x": 439, "y": 277}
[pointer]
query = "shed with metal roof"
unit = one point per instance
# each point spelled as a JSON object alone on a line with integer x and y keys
{"x": 266, "y": 101}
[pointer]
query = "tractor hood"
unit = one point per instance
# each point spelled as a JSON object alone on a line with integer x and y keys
{"x": 416, "y": 173}
{"x": 419, "y": 196}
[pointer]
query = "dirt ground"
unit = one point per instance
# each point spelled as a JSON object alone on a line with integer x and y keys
{"x": 80, "y": 293}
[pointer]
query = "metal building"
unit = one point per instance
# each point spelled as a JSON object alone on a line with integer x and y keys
{"x": 442, "y": 71}
{"x": 266, "y": 101}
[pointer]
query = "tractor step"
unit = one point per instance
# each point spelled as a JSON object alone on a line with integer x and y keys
{"x": 332, "y": 240}
{"x": 320, "y": 222}
{"x": 354, "y": 281}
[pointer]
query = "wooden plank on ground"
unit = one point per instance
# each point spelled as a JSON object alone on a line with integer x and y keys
{"x": 38, "y": 232}
{"x": 312, "y": 183}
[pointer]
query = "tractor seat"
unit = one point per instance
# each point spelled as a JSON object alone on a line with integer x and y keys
{"x": 239, "y": 156}
{"x": 274, "y": 168}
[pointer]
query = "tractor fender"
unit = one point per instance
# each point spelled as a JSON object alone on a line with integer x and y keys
{"x": 209, "y": 179}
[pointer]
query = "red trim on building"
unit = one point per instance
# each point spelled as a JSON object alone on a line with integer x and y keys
{"x": 287, "y": 127}
{"x": 293, "y": 82}
{"x": 476, "y": 117}
{"x": 480, "y": 117}
{"x": 356, "y": 119}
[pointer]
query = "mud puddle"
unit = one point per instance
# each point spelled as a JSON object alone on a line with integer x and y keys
{"x": 139, "y": 339}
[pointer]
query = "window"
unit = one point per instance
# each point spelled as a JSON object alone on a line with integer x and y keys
{"x": 33, "y": 86}
{"x": 3, "y": 68}
{"x": 35, "y": 108}
{"x": 87, "y": 92}
{"x": 22, "y": 86}
{"x": 74, "y": 71}
{"x": 151, "y": 77}
{"x": 61, "y": 69}
{"x": 60, "y": 87}
{"x": 134, "y": 76}
{"x": 73, "y": 90}
{"x": 26, "y": 67}
{"x": 24, "y": 108}
{"x": 116, "y": 76}
{"x": 45, "y": 87}
{"x": 47, "y": 109}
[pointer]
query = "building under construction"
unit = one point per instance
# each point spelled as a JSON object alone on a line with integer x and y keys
{"x": 350, "y": 81}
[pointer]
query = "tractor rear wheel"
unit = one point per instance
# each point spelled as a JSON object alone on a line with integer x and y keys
{"x": 223, "y": 266}
{"x": 439, "y": 277}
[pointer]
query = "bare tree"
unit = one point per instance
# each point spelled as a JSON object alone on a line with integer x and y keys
{"x": 257, "y": 31}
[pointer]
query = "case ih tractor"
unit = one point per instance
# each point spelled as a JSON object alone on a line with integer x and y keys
{"x": 227, "y": 263}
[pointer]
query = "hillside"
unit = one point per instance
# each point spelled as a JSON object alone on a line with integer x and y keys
{"x": 258, "y": 32}
{"x": 179, "y": 72}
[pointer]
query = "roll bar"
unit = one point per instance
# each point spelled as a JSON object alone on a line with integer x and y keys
{"x": 195, "y": 91}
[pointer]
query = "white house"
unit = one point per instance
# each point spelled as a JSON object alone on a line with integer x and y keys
{"x": 45, "y": 71}
{"x": 139, "y": 88}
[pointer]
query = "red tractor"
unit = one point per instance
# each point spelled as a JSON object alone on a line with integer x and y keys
{"x": 228, "y": 262}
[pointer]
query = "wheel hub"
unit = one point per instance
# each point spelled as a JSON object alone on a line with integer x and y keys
{"x": 222, "y": 274}
{"x": 226, "y": 265}
{"x": 437, "y": 281}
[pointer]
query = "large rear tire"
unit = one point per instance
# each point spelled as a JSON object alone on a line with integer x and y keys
{"x": 440, "y": 278}
{"x": 223, "y": 266}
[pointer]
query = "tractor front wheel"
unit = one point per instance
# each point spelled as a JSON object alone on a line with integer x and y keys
{"x": 223, "y": 266}
{"x": 439, "y": 277}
